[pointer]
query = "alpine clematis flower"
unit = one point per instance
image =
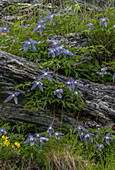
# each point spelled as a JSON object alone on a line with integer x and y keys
{"x": 40, "y": 25}
{"x": 46, "y": 74}
{"x": 31, "y": 139}
{"x": 37, "y": 83}
{"x": 4, "y": 29}
{"x": 103, "y": 71}
{"x": 12, "y": 96}
{"x": 37, "y": 135}
{"x": 88, "y": 136}
{"x": 57, "y": 135}
{"x": 103, "y": 20}
{"x": 2, "y": 130}
{"x": 80, "y": 128}
{"x": 54, "y": 43}
{"x": 75, "y": 83}
{"x": 106, "y": 138}
{"x": 113, "y": 77}
{"x": 114, "y": 27}
{"x": 42, "y": 21}
{"x": 50, "y": 16}
{"x": 52, "y": 51}
{"x": 62, "y": 50}
{"x": 100, "y": 147}
{"x": 50, "y": 130}
{"x": 69, "y": 83}
{"x": 91, "y": 26}
{"x": 41, "y": 141}
{"x": 30, "y": 44}
{"x": 58, "y": 93}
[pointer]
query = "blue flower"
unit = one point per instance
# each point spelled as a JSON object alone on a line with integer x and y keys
{"x": 52, "y": 51}
{"x": 91, "y": 26}
{"x": 12, "y": 96}
{"x": 103, "y": 20}
{"x": 50, "y": 16}
{"x": 37, "y": 83}
{"x": 100, "y": 147}
{"x": 50, "y": 130}
{"x": 41, "y": 141}
{"x": 54, "y": 43}
{"x": 57, "y": 135}
{"x": 75, "y": 83}
{"x": 88, "y": 136}
{"x": 114, "y": 27}
{"x": 106, "y": 138}
{"x": 58, "y": 93}
{"x": 37, "y": 135}
{"x": 40, "y": 25}
{"x": 46, "y": 74}
{"x": 30, "y": 44}
{"x": 103, "y": 71}
{"x": 2, "y": 130}
{"x": 4, "y": 29}
{"x": 31, "y": 139}
{"x": 69, "y": 83}
{"x": 62, "y": 50}
{"x": 42, "y": 21}
{"x": 80, "y": 128}
{"x": 113, "y": 77}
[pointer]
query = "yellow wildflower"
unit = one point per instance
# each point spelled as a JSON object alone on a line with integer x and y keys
{"x": 13, "y": 147}
{"x": 17, "y": 144}
{"x": 6, "y": 143}
{"x": 3, "y": 34}
{"x": 4, "y": 138}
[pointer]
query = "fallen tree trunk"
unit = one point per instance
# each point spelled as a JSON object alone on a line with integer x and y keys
{"x": 99, "y": 99}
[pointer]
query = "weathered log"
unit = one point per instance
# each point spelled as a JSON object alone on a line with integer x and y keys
{"x": 99, "y": 99}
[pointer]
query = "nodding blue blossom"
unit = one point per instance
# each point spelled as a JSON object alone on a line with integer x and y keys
{"x": 37, "y": 135}
{"x": 103, "y": 71}
{"x": 88, "y": 136}
{"x": 37, "y": 83}
{"x": 91, "y": 26}
{"x": 30, "y": 44}
{"x": 103, "y": 20}
{"x": 69, "y": 83}
{"x": 41, "y": 141}
{"x": 75, "y": 93}
{"x": 2, "y": 130}
{"x": 54, "y": 43}
{"x": 42, "y": 21}
{"x": 31, "y": 139}
{"x": 106, "y": 138}
{"x": 61, "y": 50}
{"x": 114, "y": 27}
{"x": 80, "y": 128}
{"x": 26, "y": 26}
{"x": 50, "y": 16}
{"x": 50, "y": 130}
{"x": 4, "y": 29}
{"x": 40, "y": 25}
{"x": 12, "y": 96}
{"x": 75, "y": 83}
{"x": 113, "y": 77}
{"x": 57, "y": 135}
{"x": 46, "y": 74}
{"x": 58, "y": 93}
{"x": 100, "y": 147}
{"x": 52, "y": 51}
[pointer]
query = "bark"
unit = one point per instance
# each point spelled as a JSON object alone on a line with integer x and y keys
{"x": 99, "y": 99}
